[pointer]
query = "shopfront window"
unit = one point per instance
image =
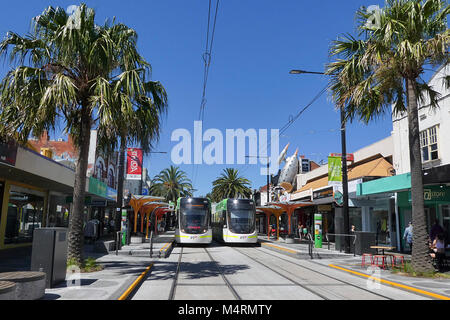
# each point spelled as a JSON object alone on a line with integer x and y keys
{"x": 379, "y": 224}
{"x": 25, "y": 212}
{"x": 355, "y": 218}
{"x": 446, "y": 222}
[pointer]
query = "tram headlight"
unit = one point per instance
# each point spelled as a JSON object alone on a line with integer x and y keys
{"x": 204, "y": 230}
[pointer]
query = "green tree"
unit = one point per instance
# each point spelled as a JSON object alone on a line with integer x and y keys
{"x": 141, "y": 127}
{"x": 382, "y": 68}
{"x": 63, "y": 72}
{"x": 230, "y": 185}
{"x": 171, "y": 183}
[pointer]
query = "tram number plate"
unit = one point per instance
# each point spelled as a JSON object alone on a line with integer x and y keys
{"x": 242, "y": 237}
{"x": 193, "y": 237}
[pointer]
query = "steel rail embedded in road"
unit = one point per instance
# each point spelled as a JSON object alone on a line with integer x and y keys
{"x": 282, "y": 275}
{"x": 324, "y": 274}
{"x": 175, "y": 279}
{"x": 233, "y": 291}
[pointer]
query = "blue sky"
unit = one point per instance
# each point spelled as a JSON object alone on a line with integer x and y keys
{"x": 256, "y": 44}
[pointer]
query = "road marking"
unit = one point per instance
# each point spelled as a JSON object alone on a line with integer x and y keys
{"x": 395, "y": 284}
{"x": 125, "y": 295}
{"x": 162, "y": 249}
{"x": 281, "y": 248}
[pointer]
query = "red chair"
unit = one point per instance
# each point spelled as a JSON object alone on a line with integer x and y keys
{"x": 399, "y": 259}
{"x": 379, "y": 261}
{"x": 363, "y": 260}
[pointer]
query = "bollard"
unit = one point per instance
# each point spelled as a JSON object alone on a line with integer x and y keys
{"x": 151, "y": 244}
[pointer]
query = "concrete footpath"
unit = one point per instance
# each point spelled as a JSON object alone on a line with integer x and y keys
{"x": 300, "y": 249}
{"x": 438, "y": 288}
{"x": 119, "y": 273}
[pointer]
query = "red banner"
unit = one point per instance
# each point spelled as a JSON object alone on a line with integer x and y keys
{"x": 134, "y": 164}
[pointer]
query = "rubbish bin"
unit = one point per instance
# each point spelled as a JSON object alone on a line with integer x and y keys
{"x": 49, "y": 254}
{"x": 363, "y": 242}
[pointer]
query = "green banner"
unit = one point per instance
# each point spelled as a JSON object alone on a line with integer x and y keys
{"x": 334, "y": 170}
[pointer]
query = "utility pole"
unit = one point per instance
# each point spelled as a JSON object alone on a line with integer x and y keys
{"x": 344, "y": 168}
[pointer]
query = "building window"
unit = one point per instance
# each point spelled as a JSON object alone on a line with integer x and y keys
{"x": 25, "y": 211}
{"x": 429, "y": 144}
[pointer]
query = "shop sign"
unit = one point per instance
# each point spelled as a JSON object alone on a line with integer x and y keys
{"x": 98, "y": 203}
{"x": 334, "y": 170}
{"x": 97, "y": 187}
{"x": 112, "y": 193}
{"x": 324, "y": 208}
{"x": 8, "y": 152}
{"x": 87, "y": 200}
{"x": 325, "y": 193}
{"x": 134, "y": 164}
{"x": 434, "y": 193}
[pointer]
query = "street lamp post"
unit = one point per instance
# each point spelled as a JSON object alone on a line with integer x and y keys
{"x": 344, "y": 168}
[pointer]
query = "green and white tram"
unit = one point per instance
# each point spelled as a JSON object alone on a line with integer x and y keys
{"x": 234, "y": 221}
{"x": 193, "y": 221}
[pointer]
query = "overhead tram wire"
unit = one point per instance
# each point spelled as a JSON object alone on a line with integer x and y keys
{"x": 291, "y": 121}
{"x": 207, "y": 62}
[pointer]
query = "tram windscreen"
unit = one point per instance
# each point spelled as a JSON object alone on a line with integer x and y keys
{"x": 194, "y": 216}
{"x": 241, "y": 215}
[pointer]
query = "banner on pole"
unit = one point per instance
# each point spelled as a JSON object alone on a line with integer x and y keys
{"x": 134, "y": 164}
{"x": 334, "y": 170}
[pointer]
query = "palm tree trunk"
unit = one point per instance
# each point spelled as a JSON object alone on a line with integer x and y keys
{"x": 421, "y": 261}
{"x": 120, "y": 179}
{"x": 76, "y": 236}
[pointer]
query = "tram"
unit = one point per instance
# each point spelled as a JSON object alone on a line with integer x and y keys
{"x": 234, "y": 221}
{"x": 193, "y": 223}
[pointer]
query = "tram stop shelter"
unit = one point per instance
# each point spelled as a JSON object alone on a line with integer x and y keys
{"x": 147, "y": 210}
{"x": 137, "y": 202}
{"x": 289, "y": 208}
{"x": 268, "y": 211}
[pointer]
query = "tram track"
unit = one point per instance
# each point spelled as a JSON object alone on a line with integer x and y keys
{"x": 229, "y": 286}
{"x": 175, "y": 279}
{"x": 306, "y": 268}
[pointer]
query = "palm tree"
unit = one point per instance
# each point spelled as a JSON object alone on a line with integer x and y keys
{"x": 64, "y": 71}
{"x": 171, "y": 183}
{"x": 382, "y": 68}
{"x": 139, "y": 128}
{"x": 230, "y": 185}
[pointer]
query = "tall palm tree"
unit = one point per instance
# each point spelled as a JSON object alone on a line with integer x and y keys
{"x": 382, "y": 68}
{"x": 63, "y": 71}
{"x": 139, "y": 128}
{"x": 231, "y": 185}
{"x": 171, "y": 183}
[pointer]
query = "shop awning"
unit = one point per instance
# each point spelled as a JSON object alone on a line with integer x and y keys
{"x": 378, "y": 167}
{"x": 385, "y": 185}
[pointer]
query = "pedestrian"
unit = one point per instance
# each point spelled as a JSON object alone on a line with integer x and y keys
{"x": 300, "y": 230}
{"x": 438, "y": 248}
{"x": 353, "y": 229}
{"x": 435, "y": 230}
{"x": 408, "y": 235}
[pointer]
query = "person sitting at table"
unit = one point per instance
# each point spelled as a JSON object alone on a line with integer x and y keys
{"x": 438, "y": 249}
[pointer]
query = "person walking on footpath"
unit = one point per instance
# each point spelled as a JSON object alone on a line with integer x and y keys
{"x": 300, "y": 230}
{"x": 408, "y": 235}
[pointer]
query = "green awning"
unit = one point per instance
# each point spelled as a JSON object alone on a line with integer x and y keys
{"x": 397, "y": 183}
